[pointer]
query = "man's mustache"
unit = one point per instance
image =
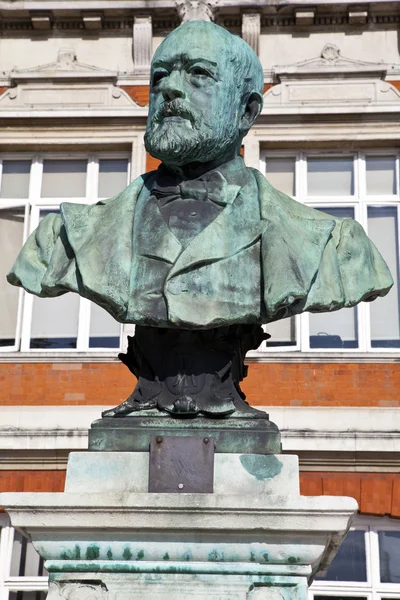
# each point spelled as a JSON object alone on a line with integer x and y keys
{"x": 174, "y": 108}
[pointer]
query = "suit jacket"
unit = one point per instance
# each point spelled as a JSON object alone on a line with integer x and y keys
{"x": 263, "y": 258}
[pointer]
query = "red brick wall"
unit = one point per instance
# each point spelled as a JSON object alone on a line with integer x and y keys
{"x": 376, "y": 493}
{"x": 32, "y": 481}
{"x": 138, "y": 93}
{"x": 317, "y": 384}
{"x": 269, "y": 384}
{"x": 395, "y": 84}
{"x": 151, "y": 163}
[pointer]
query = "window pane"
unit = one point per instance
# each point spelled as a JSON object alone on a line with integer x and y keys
{"x": 104, "y": 330}
{"x": 27, "y": 595}
{"x": 381, "y": 177}
{"x": 330, "y": 176}
{"x": 25, "y": 561}
{"x": 54, "y": 320}
{"x": 338, "y": 596}
{"x": 113, "y": 176}
{"x": 64, "y": 179}
{"x": 283, "y": 333}
{"x": 385, "y": 319}
{"x": 349, "y": 563}
{"x": 280, "y": 174}
{"x": 15, "y": 179}
{"x": 338, "y": 329}
{"x": 11, "y": 238}
{"x": 389, "y": 556}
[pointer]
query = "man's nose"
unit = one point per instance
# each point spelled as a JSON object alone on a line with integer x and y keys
{"x": 172, "y": 86}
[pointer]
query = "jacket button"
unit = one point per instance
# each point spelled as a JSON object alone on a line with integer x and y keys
{"x": 174, "y": 287}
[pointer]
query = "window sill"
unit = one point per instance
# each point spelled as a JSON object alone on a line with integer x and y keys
{"x": 252, "y": 358}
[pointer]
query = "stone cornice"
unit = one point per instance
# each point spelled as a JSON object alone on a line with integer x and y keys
{"x": 39, "y": 15}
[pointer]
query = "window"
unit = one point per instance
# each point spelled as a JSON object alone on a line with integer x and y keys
{"x": 354, "y": 185}
{"x": 30, "y": 188}
{"x": 366, "y": 565}
{"x": 22, "y": 573}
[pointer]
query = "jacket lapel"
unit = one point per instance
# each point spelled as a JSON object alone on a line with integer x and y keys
{"x": 152, "y": 236}
{"x": 236, "y": 227}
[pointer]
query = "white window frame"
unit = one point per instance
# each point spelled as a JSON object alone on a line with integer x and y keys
{"x": 372, "y": 589}
{"x": 33, "y": 204}
{"x": 360, "y": 202}
{"x": 14, "y": 584}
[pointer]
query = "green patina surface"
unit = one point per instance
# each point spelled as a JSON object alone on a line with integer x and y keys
{"x": 260, "y": 466}
{"x": 309, "y": 260}
{"x": 127, "y": 554}
{"x": 137, "y": 567}
{"x": 92, "y": 552}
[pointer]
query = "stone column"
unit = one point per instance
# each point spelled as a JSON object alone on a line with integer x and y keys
{"x": 142, "y": 44}
{"x": 251, "y": 29}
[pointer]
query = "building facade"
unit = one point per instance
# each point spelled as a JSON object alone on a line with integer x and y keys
{"x": 73, "y": 106}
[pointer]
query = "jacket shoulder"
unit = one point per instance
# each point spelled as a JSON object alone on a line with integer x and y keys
{"x": 270, "y": 198}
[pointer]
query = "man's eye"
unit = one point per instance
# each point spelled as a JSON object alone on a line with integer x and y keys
{"x": 158, "y": 75}
{"x": 200, "y": 72}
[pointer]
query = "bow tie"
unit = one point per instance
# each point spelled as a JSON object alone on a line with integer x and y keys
{"x": 212, "y": 187}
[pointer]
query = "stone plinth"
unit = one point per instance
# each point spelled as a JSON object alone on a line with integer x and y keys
{"x": 254, "y": 538}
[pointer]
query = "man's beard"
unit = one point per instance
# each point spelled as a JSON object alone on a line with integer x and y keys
{"x": 186, "y": 142}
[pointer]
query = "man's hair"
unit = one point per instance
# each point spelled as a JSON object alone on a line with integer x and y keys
{"x": 249, "y": 72}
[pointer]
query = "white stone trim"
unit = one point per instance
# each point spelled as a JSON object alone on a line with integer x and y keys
{"x": 303, "y": 429}
{"x": 251, "y": 29}
{"x": 142, "y": 43}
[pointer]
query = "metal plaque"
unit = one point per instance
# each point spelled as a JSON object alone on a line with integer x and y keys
{"x": 181, "y": 464}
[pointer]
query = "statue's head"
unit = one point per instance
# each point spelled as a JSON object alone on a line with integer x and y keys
{"x": 205, "y": 93}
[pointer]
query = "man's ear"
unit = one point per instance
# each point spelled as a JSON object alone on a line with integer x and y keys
{"x": 252, "y": 109}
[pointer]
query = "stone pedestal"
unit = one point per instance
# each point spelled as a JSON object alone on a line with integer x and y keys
{"x": 254, "y": 538}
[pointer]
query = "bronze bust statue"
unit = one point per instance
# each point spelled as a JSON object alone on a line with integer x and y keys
{"x": 201, "y": 252}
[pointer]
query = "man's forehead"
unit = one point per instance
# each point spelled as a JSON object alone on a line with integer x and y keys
{"x": 200, "y": 45}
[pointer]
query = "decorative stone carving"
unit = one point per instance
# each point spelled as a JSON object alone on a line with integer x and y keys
{"x": 330, "y": 52}
{"x": 142, "y": 43}
{"x": 251, "y": 28}
{"x": 331, "y": 80}
{"x": 330, "y": 63}
{"x": 305, "y": 17}
{"x": 66, "y": 66}
{"x": 77, "y": 591}
{"x": 63, "y": 84}
{"x": 196, "y": 10}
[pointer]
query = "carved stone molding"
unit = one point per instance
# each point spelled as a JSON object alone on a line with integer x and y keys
{"x": 77, "y": 591}
{"x": 142, "y": 43}
{"x": 331, "y": 81}
{"x": 196, "y": 10}
{"x": 66, "y": 66}
{"x": 330, "y": 63}
{"x": 251, "y": 29}
{"x": 64, "y": 84}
